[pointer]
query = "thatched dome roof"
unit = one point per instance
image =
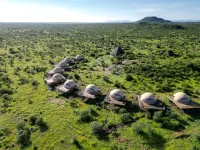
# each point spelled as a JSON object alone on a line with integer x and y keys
{"x": 57, "y": 70}
{"x": 182, "y": 98}
{"x": 92, "y": 89}
{"x": 148, "y": 98}
{"x": 68, "y": 60}
{"x": 79, "y": 57}
{"x": 70, "y": 84}
{"x": 117, "y": 94}
{"x": 62, "y": 64}
{"x": 57, "y": 77}
{"x": 117, "y": 51}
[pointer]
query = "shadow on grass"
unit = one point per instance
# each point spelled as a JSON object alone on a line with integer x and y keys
{"x": 96, "y": 101}
{"x": 194, "y": 114}
{"x": 132, "y": 106}
{"x": 153, "y": 139}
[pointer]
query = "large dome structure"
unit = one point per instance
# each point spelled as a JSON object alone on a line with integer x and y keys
{"x": 57, "y": 70}
{"x": 116, "y": 94}
{"x": 182, "y": 98}
{"x": 92, "y": 89}
{"x": 62, "y": 64}
{"x": 68, "y": 60}
{"x": 148, "y": 98}
{"x": 70, "y": 84}
{"x": 57, "y": 77}
{"x": 79, "y": 57}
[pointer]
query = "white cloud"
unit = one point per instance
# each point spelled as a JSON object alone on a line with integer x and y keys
{"x": 148, "y": 10}
{"x": 38, "y": 13}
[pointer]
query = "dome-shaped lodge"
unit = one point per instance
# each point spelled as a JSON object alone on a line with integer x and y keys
{"x": 182, "y": 98}
{"x": 79, "y": 57}
{"x": 68, "y": 60}
{"x": 57, "y": 77}
{"x": 92, "y": 89}
{"x": 70, "y": 84}
{"x": 57, "y": 70}
{"x": 116, "y": 94}
{"x": 62, "y": 64}
{"x": 148, "y": 98}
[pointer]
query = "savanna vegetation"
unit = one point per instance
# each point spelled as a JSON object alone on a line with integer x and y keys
{"x": 159, "y": 58}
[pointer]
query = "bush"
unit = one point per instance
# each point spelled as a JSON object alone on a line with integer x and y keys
{"x": 20, "y": 125}
{"x": 122, "y": 111}
{"x": 157, "y": 116}
{"x": 85, "y": 116}
{"x": 97, "y": 129}
{"x": 129, "y": 77}
{"x": 23, "y": 137}
{"x": 35, "y": 83}
{"x": 42, "y": 125}
{"x": 93, "y": 111}
{"x": 126, "y": 118}
{"x": 33, "y": 119}
{"x": 138, "y": 128}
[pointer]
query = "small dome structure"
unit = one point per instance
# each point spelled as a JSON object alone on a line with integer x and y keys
{"x": 57, "y": 70}
{"x": 148, "y": 98}
{"x": 79, "y": 57}
{"x": 116, "y": 94}
{"x": 68, "y": 60}
{"x": 57, "y": 77}
{"x": 62, "y": 64}
{"x": 182, "y": 98}
{"x": 92, "y": 89}
{"x": 70, "y": 84}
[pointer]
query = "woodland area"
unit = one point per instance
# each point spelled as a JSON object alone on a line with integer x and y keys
{"x": 159, "y": 58}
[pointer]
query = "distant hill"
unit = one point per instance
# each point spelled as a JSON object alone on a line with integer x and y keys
{"x": 153, "y": 19}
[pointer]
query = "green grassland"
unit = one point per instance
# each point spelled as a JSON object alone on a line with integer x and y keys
{"x": 27, "y": 52}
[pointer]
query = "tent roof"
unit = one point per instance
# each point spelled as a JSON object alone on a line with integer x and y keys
{"x": 117, "y": 51}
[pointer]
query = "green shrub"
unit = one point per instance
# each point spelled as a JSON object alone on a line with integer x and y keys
{"x": 126, "y": 118}
{"x": 33, "y": 119}
{"x": 97, "y": 129}
{"x": 85, "y": 116}
{"x": 158, "y": 116}
{"x": 129, "y": 77}
{"x": 122, "y": 111}
{"x": 42, "y": 125}
{"x": 20, "y": 125}
{"x": 23, "y": 137}
{"x": 138, "y": 128}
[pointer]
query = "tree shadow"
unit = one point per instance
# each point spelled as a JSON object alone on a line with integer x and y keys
{"x": 153, "y": 139}
{"x": 194, "y": 114}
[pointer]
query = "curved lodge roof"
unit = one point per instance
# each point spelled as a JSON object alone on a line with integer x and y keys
{"x": 62, "y": 64}
{"x": 57, "y": 70}
{"x": 182, "y": 98}
{"x": 70, "y": 84}
{"x": 92, "y": 89}
{"x": 79, "y": 57}
{"x": 116, "y": 94}
{"x": 148, "y": 98}
{"x": 68, "y": 60}
{"x": 57, "y": 77}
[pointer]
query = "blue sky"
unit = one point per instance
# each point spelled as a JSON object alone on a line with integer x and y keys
{"x": 96, "y": 10}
